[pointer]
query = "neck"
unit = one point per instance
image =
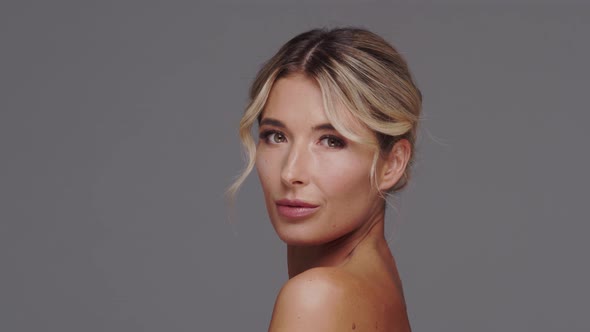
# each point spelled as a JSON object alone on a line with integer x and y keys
{"x": 337, "y": 252}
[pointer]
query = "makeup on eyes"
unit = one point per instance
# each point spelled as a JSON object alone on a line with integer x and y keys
{"x": 264, "y": 135}
{"x": 333, "y": 141}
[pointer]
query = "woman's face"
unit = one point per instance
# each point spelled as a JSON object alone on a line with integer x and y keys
{"x": 316, "y": 183}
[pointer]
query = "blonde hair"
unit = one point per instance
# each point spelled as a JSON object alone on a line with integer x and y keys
{"x": 355, "y": 68}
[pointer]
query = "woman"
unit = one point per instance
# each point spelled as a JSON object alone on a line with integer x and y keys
{"x": 337, "y": 112}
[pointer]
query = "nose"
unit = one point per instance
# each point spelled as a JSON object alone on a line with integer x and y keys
{"x": 295, "y": 168}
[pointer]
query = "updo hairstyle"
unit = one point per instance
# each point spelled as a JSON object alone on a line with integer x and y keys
{"x": 355, "y": 68}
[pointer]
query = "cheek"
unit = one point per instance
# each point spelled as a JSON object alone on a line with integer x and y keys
{"x": 261, "y": 166}
{"x": 345, "y": 176}
{"x": 264, "y": 169}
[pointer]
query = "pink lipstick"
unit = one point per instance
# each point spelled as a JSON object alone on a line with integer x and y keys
{"x": 295, "y": 208}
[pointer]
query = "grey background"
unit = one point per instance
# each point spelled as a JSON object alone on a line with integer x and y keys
{"x": 118, "y": 137}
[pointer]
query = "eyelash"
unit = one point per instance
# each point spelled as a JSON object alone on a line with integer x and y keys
{"x": 265, "y": 134}
{"x": 340, "y": 142}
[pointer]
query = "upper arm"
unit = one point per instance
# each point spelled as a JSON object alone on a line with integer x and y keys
{"x": 316, "y": 300}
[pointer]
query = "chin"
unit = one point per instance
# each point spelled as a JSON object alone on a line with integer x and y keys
{"x": 304, "y": 233}
{"x": 300, "y": 241}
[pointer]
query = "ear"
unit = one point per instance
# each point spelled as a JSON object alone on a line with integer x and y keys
{"x": 394, "y": 164}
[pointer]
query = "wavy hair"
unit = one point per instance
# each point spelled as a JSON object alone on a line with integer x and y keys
{"x": 353, "y": 67}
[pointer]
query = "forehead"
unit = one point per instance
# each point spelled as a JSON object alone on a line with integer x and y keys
{"x": 298, "y": 97}
{"x": 295, "y": 95}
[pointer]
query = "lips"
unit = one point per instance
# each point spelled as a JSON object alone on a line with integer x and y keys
{"x": 295, "y": 208}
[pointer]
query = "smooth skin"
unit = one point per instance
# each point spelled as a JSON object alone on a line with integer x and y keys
{"x": 342, "y": 275}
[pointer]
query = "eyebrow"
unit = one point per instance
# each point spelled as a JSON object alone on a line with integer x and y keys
{"x": 277, "y": 123}
{"x": 272, "y": 122}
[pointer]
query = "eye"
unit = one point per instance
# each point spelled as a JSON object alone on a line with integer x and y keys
{"x": 332, "y": 142}
{"x": 273, "y": 137}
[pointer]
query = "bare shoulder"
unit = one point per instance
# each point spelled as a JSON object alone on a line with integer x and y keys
{"x": 319, "y": 299}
